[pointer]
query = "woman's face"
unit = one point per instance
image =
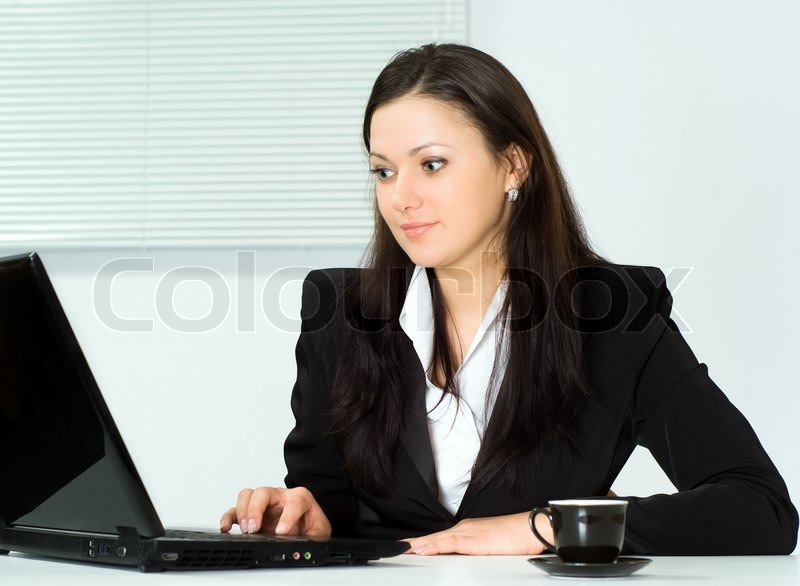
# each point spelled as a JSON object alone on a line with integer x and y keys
{"x": 439, "y": 188}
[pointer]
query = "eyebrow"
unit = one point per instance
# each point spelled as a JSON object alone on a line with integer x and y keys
{"x": 413, "y": 151}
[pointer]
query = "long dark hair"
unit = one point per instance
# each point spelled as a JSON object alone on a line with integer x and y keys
{"x": 543, "y": 242}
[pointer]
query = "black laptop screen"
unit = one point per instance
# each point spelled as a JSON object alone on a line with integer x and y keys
{"x": 58, "y": 467}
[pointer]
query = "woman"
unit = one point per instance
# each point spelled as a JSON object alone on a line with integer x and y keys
{"x": 487, "y": 360}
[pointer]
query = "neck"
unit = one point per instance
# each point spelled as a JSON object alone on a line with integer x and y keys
{"x": 469, "y": 290}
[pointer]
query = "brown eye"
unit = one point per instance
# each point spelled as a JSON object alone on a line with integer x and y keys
{"x": 433, "y": 165}
{"x": 382, "y": 173}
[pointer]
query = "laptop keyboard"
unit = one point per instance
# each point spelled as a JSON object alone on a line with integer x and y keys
{"x": 210, "y": 536}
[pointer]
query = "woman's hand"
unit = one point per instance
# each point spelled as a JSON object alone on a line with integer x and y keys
{"x": 277, "y": 510}
{"x": 505, "y": 535}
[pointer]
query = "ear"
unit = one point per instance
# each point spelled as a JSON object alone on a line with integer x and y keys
{"x": 519, "y": 165}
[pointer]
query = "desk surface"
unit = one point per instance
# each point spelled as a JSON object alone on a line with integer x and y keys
{"x": 408, "y": 570}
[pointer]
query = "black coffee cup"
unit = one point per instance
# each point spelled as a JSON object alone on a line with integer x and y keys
{"x": 586, "y": 531}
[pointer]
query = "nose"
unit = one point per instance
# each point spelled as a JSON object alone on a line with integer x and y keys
{"x": 405, "y": 195}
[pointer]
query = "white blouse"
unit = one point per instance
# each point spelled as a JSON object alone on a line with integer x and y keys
{"x": 456, "y": 427}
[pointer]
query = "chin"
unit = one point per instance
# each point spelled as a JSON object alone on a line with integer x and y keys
{"x": 423, "y": 263}
{"x": 420, "y": 258}
{"x": 431, "y": 254}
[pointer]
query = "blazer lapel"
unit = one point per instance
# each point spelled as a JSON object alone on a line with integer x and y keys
{"x": 415, "y": 437}
{"x": 475, "y": 486}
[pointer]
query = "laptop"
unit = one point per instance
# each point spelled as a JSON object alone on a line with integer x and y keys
{"x": 68, "y": 487}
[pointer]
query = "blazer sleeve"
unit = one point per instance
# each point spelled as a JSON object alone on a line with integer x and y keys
{"x": 731, "y": 498}
{"x": 312, "y": 460}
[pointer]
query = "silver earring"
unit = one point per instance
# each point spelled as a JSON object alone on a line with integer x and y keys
{"x": 512, "y": 194}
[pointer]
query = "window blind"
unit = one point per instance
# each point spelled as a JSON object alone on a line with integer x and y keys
{"x": 191, "y": 123}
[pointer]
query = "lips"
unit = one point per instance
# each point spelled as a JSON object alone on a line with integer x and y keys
{"x": 415, "y": 229}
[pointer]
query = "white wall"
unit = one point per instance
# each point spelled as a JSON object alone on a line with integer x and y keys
{"x": 203, "y": 414}
{"x": 677, "y": 124}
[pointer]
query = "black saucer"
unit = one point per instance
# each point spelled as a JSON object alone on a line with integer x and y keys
{"x": 618, "y": 569}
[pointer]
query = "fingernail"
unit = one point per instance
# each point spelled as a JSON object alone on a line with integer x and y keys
{"x": 251, "y": 526}
{"x": 420, "y": 550}
{"x": 280, "y": 528}
{"x": 222, "y": 525}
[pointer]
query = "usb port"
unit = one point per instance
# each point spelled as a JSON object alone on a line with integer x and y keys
{"x": 278, "y": 557}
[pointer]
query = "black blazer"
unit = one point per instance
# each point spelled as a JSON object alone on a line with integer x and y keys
{"x": 649, "y": 390}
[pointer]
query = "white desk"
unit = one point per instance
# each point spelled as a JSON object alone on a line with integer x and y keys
{"x": 409, "y": 570}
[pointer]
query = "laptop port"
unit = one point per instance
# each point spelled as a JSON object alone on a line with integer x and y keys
{"x": 169, "y": 557}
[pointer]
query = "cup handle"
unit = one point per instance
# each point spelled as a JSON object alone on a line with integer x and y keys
{"x": 531, "y": 521}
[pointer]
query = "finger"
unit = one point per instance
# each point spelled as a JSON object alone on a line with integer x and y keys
{"x": 315, "y": 523}
{"x": 241, "y": 508}
{"x": 227, "y": 520}
{"x": 444, "y": 543}
{"x": 418, "y": 543}
{"x": 291, "y": 515}
{"x": 297, "y": 503}
{"x": 261, "y": 499}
